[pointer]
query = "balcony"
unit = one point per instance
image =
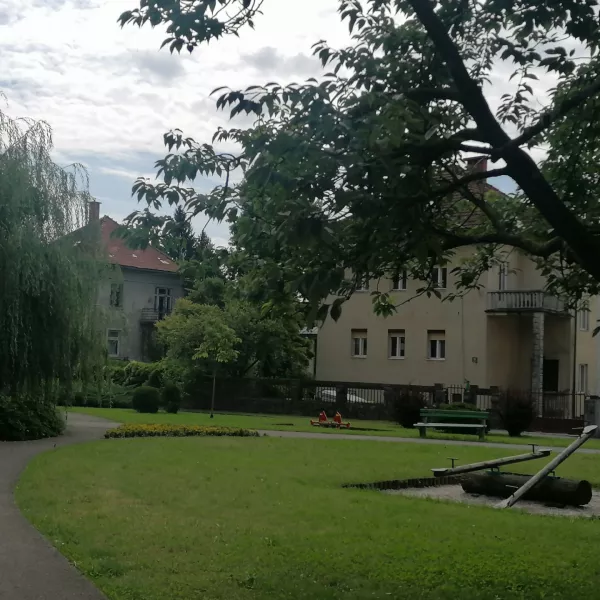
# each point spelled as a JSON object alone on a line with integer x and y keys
{"x": 524, "y": 301}
{"x": 149, "y": 315}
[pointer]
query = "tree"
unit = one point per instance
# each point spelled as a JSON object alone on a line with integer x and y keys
{"x": 49, "y": 324}
{"x": 173, "y": 235}
{"x": 366, "y": 170}
{"x": 197, "y": 333}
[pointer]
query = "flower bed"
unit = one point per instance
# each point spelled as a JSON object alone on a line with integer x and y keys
{"x": 164, "y": 430}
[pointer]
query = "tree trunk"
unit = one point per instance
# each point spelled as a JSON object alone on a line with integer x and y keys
{"x": 550, "y": 489}
{"x": 212, "y": 399}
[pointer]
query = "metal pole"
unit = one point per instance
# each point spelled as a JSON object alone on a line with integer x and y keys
{"x": 586, "y": 434}
{"x": 497, "y": 462}
{"x": 574, "y": 377}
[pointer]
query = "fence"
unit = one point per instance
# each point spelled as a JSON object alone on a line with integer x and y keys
{"x": 555, "y": 412}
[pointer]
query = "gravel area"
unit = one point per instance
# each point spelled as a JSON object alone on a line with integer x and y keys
{"x": 454, "y": 493}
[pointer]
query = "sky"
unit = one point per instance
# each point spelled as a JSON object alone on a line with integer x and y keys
{"x": 110, "y": 94}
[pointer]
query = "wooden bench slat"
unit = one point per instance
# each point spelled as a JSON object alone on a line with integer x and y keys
{"x": 454, "y": 414}
{"x": 462, "y": 425}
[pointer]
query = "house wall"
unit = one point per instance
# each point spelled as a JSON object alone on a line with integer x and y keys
{"x": 138, "y": 293}
{"x": 485, "y": 349}
{"x": 463, "y": 320}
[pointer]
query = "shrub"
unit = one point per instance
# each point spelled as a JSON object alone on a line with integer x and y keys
{"x": 137, "y": 373}
{"x": 28, "y": 418}
{"x": 163, "y": 430}
{"x": 459, "y": 406}
{"x": 155, "y": 379}
{"x": 78, "y": 399}
{"x": 407, "y": 408}
{"x": 117, "y": 372}
{"x": 171, "y": 398}
{"x": 516, "y": 411}
{"x": 146, "y": 399}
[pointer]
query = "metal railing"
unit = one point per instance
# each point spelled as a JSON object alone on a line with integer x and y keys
{"x": 149, "y": 315}
{"x": 523, "y": 301}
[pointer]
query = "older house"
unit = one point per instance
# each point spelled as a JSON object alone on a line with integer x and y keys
{"x": 143, "y": 288}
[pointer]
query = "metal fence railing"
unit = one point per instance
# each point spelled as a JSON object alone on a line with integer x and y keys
{"x": 372, "y": 400}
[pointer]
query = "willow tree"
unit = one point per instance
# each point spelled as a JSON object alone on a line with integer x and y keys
{"x": 49, "y": 271}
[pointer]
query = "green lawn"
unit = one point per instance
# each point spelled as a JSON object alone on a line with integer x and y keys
{"x": 295, "y": 423}
{"x": 266, "y": 518}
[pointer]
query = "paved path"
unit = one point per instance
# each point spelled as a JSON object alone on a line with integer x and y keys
{"x": 383, "y": 438}
{"x": 30, "y": 568}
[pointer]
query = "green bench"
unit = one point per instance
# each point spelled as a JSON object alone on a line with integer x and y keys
{"x": 464, "y": 420}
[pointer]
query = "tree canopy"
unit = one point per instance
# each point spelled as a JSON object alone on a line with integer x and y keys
{"x": 366, "y": 169}
{"x": 50, "y": 272}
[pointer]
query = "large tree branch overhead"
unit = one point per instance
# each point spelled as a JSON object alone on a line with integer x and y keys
{"x": 520, "y": 165}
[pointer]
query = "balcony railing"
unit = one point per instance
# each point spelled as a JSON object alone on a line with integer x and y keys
{"x": 524, "y": 301}
{"x": 149, "y": 315}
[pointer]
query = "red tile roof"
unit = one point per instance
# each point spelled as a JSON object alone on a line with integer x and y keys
{"x": 119, "y": 253}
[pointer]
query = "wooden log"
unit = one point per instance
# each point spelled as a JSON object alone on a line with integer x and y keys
{"x": 555, "y": 490}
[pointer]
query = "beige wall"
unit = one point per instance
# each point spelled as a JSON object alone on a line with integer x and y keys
{"x": 485, "y": 349}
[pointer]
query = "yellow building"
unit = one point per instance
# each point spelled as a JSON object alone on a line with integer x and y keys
{"x": 509, "y": 333}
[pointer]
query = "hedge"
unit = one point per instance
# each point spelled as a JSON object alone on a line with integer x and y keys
{"x": 164, "y": 430}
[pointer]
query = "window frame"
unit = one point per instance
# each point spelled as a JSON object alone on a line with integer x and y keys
{"x": 503, "y": 276}
{"x": 439, "y": 277}
{"x": 167, "y": 295}
{"x": 399, "y": 281}
{"x": 118, "y": 294}
{"x": 363, "y": 284}
{"x": 400, "y": 335}
{"x": 362, "y": 335}
{"x": 439, "y": 337}
{"x": 113, "y": 338}
{"x": 583, "y": 318}
{"x": 582, "y": 377}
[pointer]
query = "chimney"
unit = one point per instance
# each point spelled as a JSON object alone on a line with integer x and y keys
{"x": 476, "y": 164}
{"x": 93, "y": 211}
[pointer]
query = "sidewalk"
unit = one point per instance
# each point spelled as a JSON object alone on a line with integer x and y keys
{"x": 399, "y": 440}
{"x": 30, "y": 568}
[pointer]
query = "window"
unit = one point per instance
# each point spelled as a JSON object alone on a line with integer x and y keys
{"x": 359, "y": 343}
{"x": 162, "y": 301}
{"x": 436, "y": 345}
{"x": 503, "y": 276}
{"x": 396, "y": 343}
{"x": 399, "y": 281}
{"x": 362, "y": 284}
{"x": 116, "y": 295}
{"x": 584, "y": 318}
{"x": 113, "y": 342}
{"x": 582, "y": 379}
{"x": 440, "y": 277}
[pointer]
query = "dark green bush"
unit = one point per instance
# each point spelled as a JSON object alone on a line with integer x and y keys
{"x": 517, "y": 412}
{"x": 118, "y": 373}
{"x": 146, "y": 399}
{"x": 78, "y": 399}
{"x": 171, "y": 398}
{"x": 155, "y": 379}
{"x": 137, "y": 373}
{"x": 459, "y": 406}
{"x": 407, "y": 408}
{"x": 26, "y": 418}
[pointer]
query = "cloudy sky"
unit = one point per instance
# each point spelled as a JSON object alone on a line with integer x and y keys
{"x": 110, "y": 94}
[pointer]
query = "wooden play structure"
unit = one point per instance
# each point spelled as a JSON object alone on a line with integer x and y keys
{"x": 544, "y": 486}
{"x": 323, "y": 421}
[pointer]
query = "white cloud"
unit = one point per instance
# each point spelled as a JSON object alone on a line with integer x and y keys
{"x": 110, "y": 94}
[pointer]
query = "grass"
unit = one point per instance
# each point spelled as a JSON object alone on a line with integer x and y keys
{"x": 295, "y": 423}
{"x": 266, "y": 518}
